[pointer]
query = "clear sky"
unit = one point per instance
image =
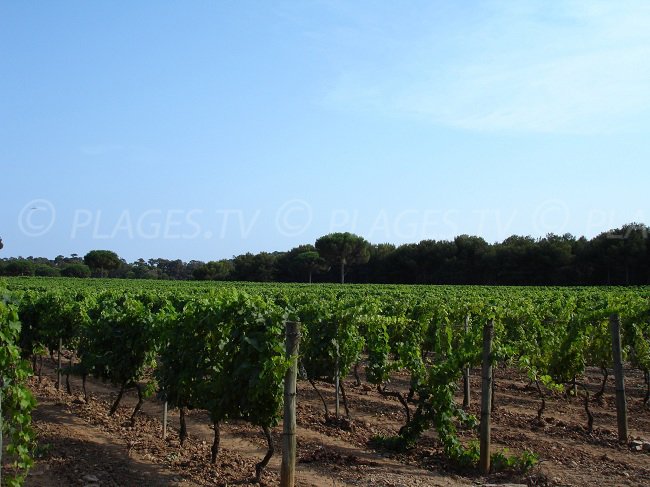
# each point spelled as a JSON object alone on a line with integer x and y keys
{"x": 204, "y": 129}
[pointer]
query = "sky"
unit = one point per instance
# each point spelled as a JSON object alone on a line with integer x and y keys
{"x": 204, "y": 129}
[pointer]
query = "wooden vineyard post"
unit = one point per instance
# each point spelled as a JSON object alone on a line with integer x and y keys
{"x": 58, "y": 369}
{"x": 621, "y": 403}
{"x": 288, "y": 468}
{"x": 165, "y": 420}
{"x": 337, "y": 380}
{"x": 466, "y": 388}
{"x": 337, "y": 376}
{"x": 486, "y": 397}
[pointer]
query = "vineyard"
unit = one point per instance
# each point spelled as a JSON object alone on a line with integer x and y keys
{"x": 215, "y": 353}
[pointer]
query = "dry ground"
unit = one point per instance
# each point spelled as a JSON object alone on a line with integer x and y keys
{"x": 80, "y": 445}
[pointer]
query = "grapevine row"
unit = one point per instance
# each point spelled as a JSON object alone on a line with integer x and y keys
{"x": 220, "y": 348}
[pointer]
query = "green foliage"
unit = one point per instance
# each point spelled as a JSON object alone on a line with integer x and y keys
{"x": 379, "y": 366}
{"x": 102, "y": 261}
{"x": 225, "y": 353}
{"x": 309, "y": 262}
{"x": 437, "y": 408}
{"x": 121, "y": 344}
{"x": 343, "y": 249}
{"x": 214, "y": 270}
{"x": 330, "y": 336}
{"x": 219, "y": 346}
{"x": 19, "y": 267}
{"x": 255, "y": 362}
{"x": 76, "y": 270}
{"x": 50, "y": 316}
{"x": 45, "y": 270}
{"x": 393, "y": 443}
{"x": 183, "y": 366}
{"x": 16, "y": 401}
{"x": 502, "y": 461}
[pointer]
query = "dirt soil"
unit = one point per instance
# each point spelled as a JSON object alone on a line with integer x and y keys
{"x": 79, "y": 444}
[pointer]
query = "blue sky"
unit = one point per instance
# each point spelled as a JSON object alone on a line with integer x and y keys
{"x": 200, "y": 130}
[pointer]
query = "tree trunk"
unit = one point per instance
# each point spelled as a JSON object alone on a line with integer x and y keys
{"x": 345, "y": 400}
{"x": 411, "y": 395}
{"x": 59, "y": 365}
{"x": 590, "y": 417}
{"x": 139, "y": 405}
{"x": 117, "y": 401}
{"x": 67, "y": 375}
{"x": 357, "y": 377}
{"x": 327, "y": 413}
{"x": 309, "y": 277}
{"x": 269, "y": 453}
{"x": 400, "y": 398}
{"x": 215, "y": 443}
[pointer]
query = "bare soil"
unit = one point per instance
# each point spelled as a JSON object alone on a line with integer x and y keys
{"x": 79, "y": 444}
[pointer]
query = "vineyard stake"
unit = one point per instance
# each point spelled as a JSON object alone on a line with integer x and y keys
{"x": 486, "y": 397}
{"x": 337, "y": 379}
{"x": 165, "y": 420}
{"x": 621, "y": 403}
{"x": 288, "y": 468}
{"x": 466, "y": 388}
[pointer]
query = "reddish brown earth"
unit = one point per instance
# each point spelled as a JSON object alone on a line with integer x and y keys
{"x": 79, "y": 444}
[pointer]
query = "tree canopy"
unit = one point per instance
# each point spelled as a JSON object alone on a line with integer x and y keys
{"x": 102, "y": 261}
{"x": 620, "y": 256}
{"x": 309, "y": 262}
{"x": 341, "y": 249}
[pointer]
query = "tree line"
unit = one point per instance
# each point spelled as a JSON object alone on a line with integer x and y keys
{"x": 618, "y": 257}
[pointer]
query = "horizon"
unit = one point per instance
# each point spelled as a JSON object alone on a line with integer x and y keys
{"x": 207, "y": 131}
